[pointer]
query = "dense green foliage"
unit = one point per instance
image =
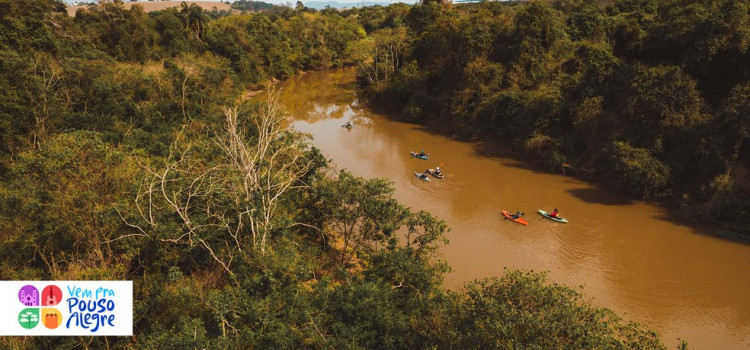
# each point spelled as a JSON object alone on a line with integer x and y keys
{"x": 126, "y": 155}
{"x": 246, "y": 5}
{"x": 373, "y": 18}
{"x": 125, "y": 72}
{"x": 648, "y": 96}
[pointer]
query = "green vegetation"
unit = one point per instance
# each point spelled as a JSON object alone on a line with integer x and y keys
{"x": 125, "y": 155}
{"x": 246, "y": 5}
{"x": 647, "y": 96}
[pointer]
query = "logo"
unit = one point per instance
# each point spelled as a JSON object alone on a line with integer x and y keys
{"x": 60, "y": 308}
{"x": 30, "y": 317}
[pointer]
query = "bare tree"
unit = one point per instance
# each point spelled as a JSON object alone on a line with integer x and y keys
{"x": 49, "y": 73}
{"x": 270, "y": 165}
{"x": 225, "y": 187}
{"x": 381, "y": 54}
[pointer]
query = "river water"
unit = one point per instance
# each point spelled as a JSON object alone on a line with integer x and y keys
{"x": 630, "y": 256}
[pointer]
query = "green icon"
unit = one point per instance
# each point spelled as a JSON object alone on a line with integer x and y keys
{"x": 29, "y": 318}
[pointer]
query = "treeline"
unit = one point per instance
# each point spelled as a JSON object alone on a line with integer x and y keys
{"x": 246, "y": 5}
{"x": 126, "y": 72}
{"x": 126, "y": 156}
{"x": 651, "y": 97}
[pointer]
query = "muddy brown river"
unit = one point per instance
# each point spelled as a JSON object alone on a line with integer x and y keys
{"x": 628, "y": 255}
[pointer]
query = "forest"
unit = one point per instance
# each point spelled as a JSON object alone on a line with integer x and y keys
{"x": 128, "y": 152}
{"x": 648, "y": 97}
{"x": 251, "y": 5}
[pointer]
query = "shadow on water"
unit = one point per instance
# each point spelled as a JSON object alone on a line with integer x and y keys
{"x": 481, "y": 147}
{"x": 594, "y": 193}
{"x": 674, "y": 217}
{"x": 341, "y": 90}
{"x": 599, "y": 196}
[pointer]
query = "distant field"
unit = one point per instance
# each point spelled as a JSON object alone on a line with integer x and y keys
{"x": 149, "y": 6}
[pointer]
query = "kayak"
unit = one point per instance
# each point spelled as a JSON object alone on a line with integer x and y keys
{"x": 432, "y": 172}
{"x": 546, "y": 215}
{"x": 415, "y": 154}
{"x": 421, "y": 176}
{"x": 519, "y": 220}
{"x": 348, "y": 126}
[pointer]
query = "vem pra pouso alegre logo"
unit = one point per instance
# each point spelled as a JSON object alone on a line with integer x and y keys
{"x": 86, "y": 309}
{"x": 49, "y": 316}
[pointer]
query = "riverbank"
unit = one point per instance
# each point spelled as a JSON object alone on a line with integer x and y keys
{"x": 633, "y": 113}
{"x": 632, "y": 256}
{"x": 492, "y": 146}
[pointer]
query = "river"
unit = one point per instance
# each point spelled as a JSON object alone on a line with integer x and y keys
{"x": 627, "y": 255}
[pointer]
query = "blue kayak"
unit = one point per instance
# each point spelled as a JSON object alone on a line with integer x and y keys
{"x": 417, "y": 155}
{"x": 422, "y": 176}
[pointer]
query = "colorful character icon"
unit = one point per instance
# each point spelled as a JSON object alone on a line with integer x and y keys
{"x": 29, "y": 296}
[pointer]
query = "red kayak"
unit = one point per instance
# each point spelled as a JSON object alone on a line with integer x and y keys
{"x": 519, "y": 220}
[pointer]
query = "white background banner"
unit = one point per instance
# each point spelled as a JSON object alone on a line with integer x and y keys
{"x": 61, "y": 308}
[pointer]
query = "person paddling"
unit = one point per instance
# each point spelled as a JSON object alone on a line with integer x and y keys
{"x": 554, "y": 213}
{"x": 517, "y": 215}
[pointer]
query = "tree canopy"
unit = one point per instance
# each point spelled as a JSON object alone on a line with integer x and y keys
{"x": 583, "y": 86}
{"x": 128, "y": 152}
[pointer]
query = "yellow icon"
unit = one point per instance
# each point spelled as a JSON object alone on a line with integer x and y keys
{"x": 52, "y": 318}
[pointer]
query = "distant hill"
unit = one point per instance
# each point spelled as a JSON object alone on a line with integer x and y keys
{"x": 340, "y": 5}
{"x": 149, "y": 6}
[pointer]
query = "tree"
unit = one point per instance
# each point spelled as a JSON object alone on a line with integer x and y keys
{"x": 379, "y": 56}
{"x": 194, "y": 19}
{"x": 125, "y": 35}
{"x": 637, "y": 171}
{"x": 520, "y": 310}
{"x": 360, "y": 216}
{"x": 735, "y": 118}
{"x": 59, "y": 208}
{"x": 173, "y": 38}
{"x": 225, "y": 191}
{"x": 538, "y": 28}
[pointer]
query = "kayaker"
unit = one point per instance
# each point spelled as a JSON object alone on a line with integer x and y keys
{"x": 421, "y": 154}
{"x": 348, "y": 123}
{"x": 554, "y": 213}
{"x": 517, "y": 215}
{"x": 423, "y": 176}
{"x": 437, "y": 171}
